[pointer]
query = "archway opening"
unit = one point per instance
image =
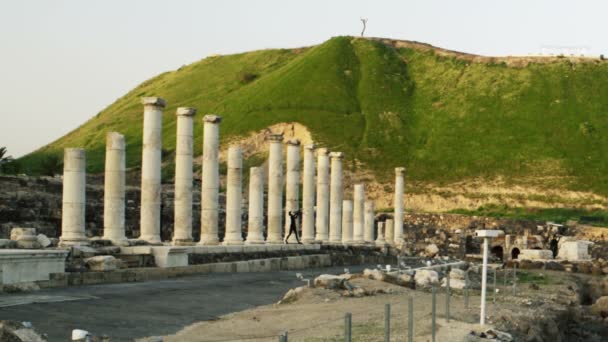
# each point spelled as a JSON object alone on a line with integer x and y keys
{"x": 497, "y": 252}
{"x": 514, "y": 253}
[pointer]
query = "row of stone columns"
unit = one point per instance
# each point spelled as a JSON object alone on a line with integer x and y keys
{"x": 336, "y": 220}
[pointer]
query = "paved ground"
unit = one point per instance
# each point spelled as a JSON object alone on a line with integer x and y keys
{"x": 131, "y": 310}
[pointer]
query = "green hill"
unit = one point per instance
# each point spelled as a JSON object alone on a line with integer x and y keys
{"x": 447, "y": 117}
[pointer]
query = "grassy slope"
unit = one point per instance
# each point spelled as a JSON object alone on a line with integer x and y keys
{"x": 445, "y": 119}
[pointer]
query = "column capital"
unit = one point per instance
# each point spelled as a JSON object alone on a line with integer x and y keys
{"x": 153, "y": 101}
{"x": 336, "y": 155}
{"x": 399, "y": 171}
{"x": 293, "y": 142}
{"x": 322, "y": 151}
{"x": 277, "y": 137}
{"x": 212, "y": 118}
{"x": 185, "y": 111}
{"x": 115, "y": 141}
{"x": 311, "y": 147}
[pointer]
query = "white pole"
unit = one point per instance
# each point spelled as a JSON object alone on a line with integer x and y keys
{"x": 482, "y": 318}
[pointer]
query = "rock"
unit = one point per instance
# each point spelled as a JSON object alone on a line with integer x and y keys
{"x": 458, "y": 284}
{"x": 99, "y": 242}
{"x": 28, "y": 244}
{"x": 20, "y": 233}
{"x": 292, "y": 295}
{"x": 109, "y": 250}
{"x": 6, "y": 243}
{"x": 584, "y": 267}
{"x": 43, "y": 240}
{"x": 83, "y": 251}
{"x": 330, "y": 281}
{"x": 554, "y": 266}
{"x": 374, "y": 274}
{"x": 137, "y": 242}
{"x": 397, "y": 279}
{"x": 103, "y": 263}
{"x": 457, "y": 273}
{"x": 54, "y": 242}
{"x": 20, "y": 287}
{"x": 431, "y": 250}
{"x": 424, "y": 278}
{"x": 600, "y": 307}
{"x": 11, "y": 331}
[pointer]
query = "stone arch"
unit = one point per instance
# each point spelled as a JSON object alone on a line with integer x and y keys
{"x": 515, "y": 253}
{"x": 498, "y": 252}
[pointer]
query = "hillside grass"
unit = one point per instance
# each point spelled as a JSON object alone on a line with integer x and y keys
{"x": 444, "y": 118}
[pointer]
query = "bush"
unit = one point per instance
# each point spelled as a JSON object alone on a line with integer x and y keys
{"x": 247, "y": 77}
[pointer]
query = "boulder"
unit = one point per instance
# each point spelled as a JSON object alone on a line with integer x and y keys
{"x": 292, "y": 295}
{"x": 397, "y": 279}
{"x": 554, "y": 266}
{"x": 431, "y": 250}
{"x": 43, "y": 240}
{"x": 424, "y": 278}
{"x": 457, "y": 273}
{"x": 12, "y": 331}
{"x": 103, "y": 263}
{"x": 458, "y": 284}
{"x": 23, "y": 233}
{"x": 374, "y": 274}
{"x": 330, "y": 281}
{"x": 600, "y": 307}
{"x": 28, "y": 244}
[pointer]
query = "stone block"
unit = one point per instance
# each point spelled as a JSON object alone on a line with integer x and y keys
{"x": 18, "y": 266}
{"x": 43, "y": 240}
{"x": 103, "y": 263}
{"x": 274, "y": 248}
{"x": 242, "y": 266}
{"x": 574, "y": 250}
{"x": 535, "y": 254}
{"x": 254, "y": 248}
{"x": 262, "y": 265}
{"x": 234, "y": 249}
{"x": 169, "y": 256}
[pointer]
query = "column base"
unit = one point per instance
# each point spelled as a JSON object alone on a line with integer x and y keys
{"x": 232, "y": 243}
{"x": 182, "y": 242}
{"x": 73, "y": 242}
{"x": 151, "y": 239}
{"x": 255, "y": 242}
{"x": 208, "y": 241}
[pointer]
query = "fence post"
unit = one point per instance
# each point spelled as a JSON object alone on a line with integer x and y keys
{"x": 466, "y": 289}
{"x": 447, "y": 298}
{"x": 433, "y": 312}
{"x": 514, "y": 278}
{"x": 410, "y": 319}
{"x": 348, "y": 327}
{"x": 387, "y": 322}
{"x": 494, "y": 297}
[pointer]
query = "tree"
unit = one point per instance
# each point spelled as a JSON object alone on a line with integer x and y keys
{"x": 364, "y": 21}
{"x": 51, "y": 165}
{"x": 4, "y": 159}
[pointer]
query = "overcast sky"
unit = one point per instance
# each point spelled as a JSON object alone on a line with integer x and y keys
{"x": 61, "y": 62}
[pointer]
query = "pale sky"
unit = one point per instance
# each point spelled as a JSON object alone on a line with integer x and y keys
{"x": 61, "y": 62}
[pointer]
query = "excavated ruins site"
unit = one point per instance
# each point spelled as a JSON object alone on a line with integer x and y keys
{"x": 445, "y": 277}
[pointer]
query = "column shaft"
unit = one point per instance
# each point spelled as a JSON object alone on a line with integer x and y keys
{"x": 322, "y": 218}
{"x": 114, "y": 189}
{"x": 234, "y": 197}
{"x": 211, "y": 181}
{"x": 275, "y": 189}
{"x": 182, "y": 220}
{"x": 292, "y": 191}
{"x": 74, "y": 198}
{"x": 308, "y": 195}
{"x": 255, "y": 229}
{"x": 347, "y": 222}
{"x": 399, "y": 205}
{"x": 389, "y": 231}
{"x": 150, "y": 170}
{"x": 369, "y": 220}
{"x": 335, "y": 198}
{"x": 358, "y": 213}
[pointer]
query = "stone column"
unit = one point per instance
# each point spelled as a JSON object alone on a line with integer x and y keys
{"x": 380, "y": 241}
{"x": 308, "y": 195}
{"x": 114, "y": 190}
{"x": 234, "y": 197}
{"x": 335, "y": 198}
{"x": 292, "y": 188}
{"x": 73, "y": 200}
{"x": 389, "y": 231}
{"x": 211, "y": 180}
{"x": 322, "y": 218}
{"x": 150, "y": 169}
{"x": 182, "y": 220}
{"x": 369, "y": 220}
{"x": 399, "y": 192}
{"x": 255, "y": 229}
{"x": 275, "y": 189}
{"x": 347, "y": 222}
{"x": 358, "y": 213}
